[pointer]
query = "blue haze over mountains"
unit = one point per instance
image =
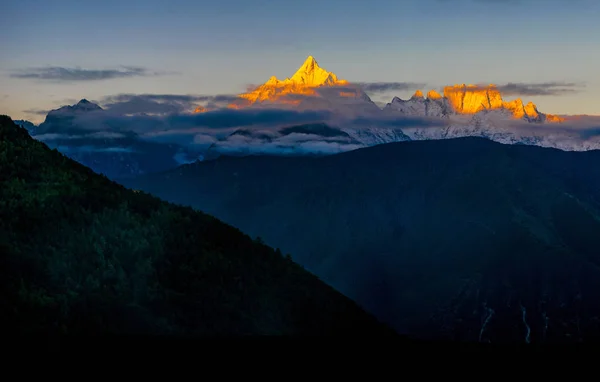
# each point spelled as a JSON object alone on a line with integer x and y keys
{"x": 126, "y": 139}
{"x": 462, "y": 239}
{"x": 323, "y": 205}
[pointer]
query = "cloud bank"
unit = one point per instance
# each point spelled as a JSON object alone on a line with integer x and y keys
{"x": 124, "y": 104}
{"x": 382, "y": 87}
{"x": 552, "y": 88}
{"x": 540, "y": 89}
{"x": 167, "y": 119}
{"x": 36, "y": 112}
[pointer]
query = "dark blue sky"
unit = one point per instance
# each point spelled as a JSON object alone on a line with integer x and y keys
{"x": 219, "y": 47}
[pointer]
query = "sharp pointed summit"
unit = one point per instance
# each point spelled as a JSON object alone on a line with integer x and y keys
{"x": 418, "y": 94}
{"x": 303, "y": 82}
{"x": 311, "y": 74}
{"x": 310, "y": 62}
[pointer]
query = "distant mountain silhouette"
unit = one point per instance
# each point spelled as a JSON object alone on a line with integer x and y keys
{"x": 80, "y": 254}
{"x": 464, "y": 239}
{"x": 107, "y": 147}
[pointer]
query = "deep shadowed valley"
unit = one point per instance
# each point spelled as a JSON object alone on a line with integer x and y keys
{"x": 463, "y": 239}
{"x": 80, "y": 254}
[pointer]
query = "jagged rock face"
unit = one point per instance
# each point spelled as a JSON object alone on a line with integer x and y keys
{"x": 314, "y": 87}
{"x": 516, "y": 107}
{"x": 432, "y": 94}
{"x": 553, "y": 118}
{"x": 413, "y": 107}
{"x": 310, "y": 88}
{"x": 417, "y": 106}
{"x": 531, "y": 111}
{"x": 292, "y": 91}
{"x": 469, "y": 100}
{"x": 312, "y": 75}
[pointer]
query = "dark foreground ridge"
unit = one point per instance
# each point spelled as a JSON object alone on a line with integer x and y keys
{"x": 80, "y": 254}
{"x": 463, "y": 239}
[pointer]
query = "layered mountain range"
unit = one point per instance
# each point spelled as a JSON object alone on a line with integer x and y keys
{"x": 312, "y": 81}
{"x": 85, "y": 132}
{"x": 464, "y": 239}
{"x": 109, "y": 144}
{"x": 81, "y": 255}
{"x": 462, "y": 110}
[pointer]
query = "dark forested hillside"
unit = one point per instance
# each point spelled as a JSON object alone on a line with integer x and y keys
{"x": 81, "y": 254}
{"x": 464, "y": 239}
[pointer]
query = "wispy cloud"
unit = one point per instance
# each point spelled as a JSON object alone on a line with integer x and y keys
{"x": 93, "y": 149}
{"x": 251, "y": 87}
{"x": 35, "y": 112}
{"x": 290, "y": 148}
{"x": 214, "y": 122}
{"x": 167, "y": 122}
{"x": 102, "y": 135}
{"x": 552, "y": 88}
{"x": 274, "y": 142}
{"x": 540, "y": 89}
{"x": 319, "y": 139}
{"x": 382, "y": 87}
{"x": 62, "y": 74}
{"x": 192, "y": 131}
{"x": 226, "y": 118}
{"x": 171, "y": 97}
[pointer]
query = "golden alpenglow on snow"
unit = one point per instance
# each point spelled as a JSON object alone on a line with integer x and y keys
{"x": 470, "y": 99}
{"x": 303, "y": 83}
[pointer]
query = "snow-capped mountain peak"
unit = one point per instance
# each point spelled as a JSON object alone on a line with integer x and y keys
{"x": 466, "y": 100}
{"x": 85, "y": 105}
{"x": 418, "y": 95}
{"x": 64, "y": 117}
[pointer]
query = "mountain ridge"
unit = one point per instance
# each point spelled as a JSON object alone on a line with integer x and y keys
{"x": 457, "y": 238}
{"x": 468, "y": 100}
{"x": 80, "y": 254}
{"x": 457, "y": 99}
{"x": 302, "y": 83}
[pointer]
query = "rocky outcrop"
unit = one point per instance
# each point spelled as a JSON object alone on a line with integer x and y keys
{"x": 418, "y": 95}
{"x": 311, "y": 87}
{"x": 467, "y": 99}
{"x": 433, "y": 95}
{"x": 290, "y": 90}
{"x": 419, "y": 106}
